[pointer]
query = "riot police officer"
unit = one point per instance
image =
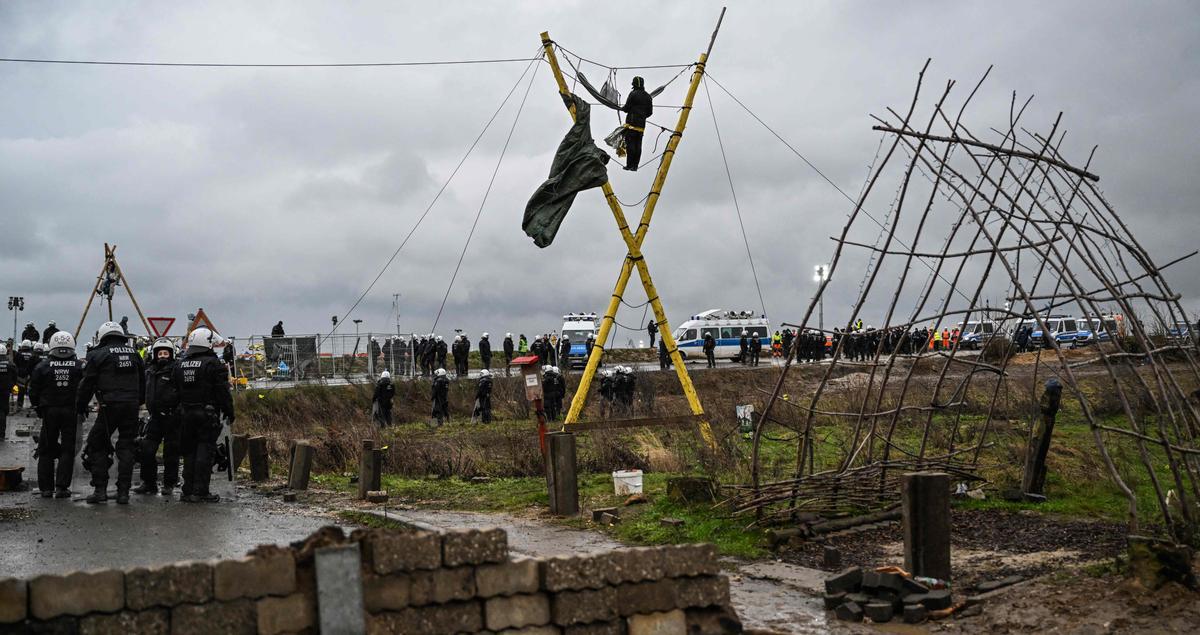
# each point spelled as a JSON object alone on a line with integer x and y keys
{"x": 441, "y": 396}
{"x": 710, "y": 346}
{"x": 485, "y": 352}
{"x": 8, "y": 377}
{"x": 553, "y": 390}
{"x": 483, "y": 396}
{"x": 162, "y": 403}
{"x": 385, "y": 391}
{"x": 114, "y": 375}
{"x": 53, "y": 387}
{"x": 508, "y": 352}
{"x": 203, "y": 396}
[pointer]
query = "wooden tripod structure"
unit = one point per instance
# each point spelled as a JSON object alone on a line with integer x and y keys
{"x": 634, "y": 256}
{"x": 118, "y": 277}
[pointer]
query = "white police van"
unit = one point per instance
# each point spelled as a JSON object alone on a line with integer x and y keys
{"x": 576, "y": 328}
{"x": 726, "y": 327}
{"x": 1064, "y": 329}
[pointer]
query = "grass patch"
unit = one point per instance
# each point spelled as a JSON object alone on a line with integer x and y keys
{"x": 370, "y": 520}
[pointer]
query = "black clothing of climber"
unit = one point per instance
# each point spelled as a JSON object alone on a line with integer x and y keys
{"x": 50, "y": 330}
{"x": 52, "y": 389}
{"x": 162, "y": 403}
{"x": 664, "y": 359}
{"x": 710, "y": 346}
{"x": 651, "y": 330}
{"x": 755, "y": 349}
{"x": 114, "y": 372}
{"x": 30, "y": 333}
{"x": 204, "y": 396}
{"x": 125, "y": 324}
{"x": 385, "y": 391}
{"x": 277, "y": 330}
{"x": 639, "y": 106}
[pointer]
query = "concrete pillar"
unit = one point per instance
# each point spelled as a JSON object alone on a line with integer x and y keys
{"x": 302, "y": 457}
{"x": 925, "y": 499}
{"x": 560, "y": 474}
{"x": 260, "y": 465}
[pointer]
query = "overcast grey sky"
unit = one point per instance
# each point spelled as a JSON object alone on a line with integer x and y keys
{"x": 267, "y": 194}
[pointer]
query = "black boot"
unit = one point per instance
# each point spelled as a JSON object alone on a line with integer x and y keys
{"x": 168, "y": 490}
{"x": 98, "y": 496}
{"x": 62, "y": 492}
{"x": 146, "y": 488}
{"x": 122, "y": 495}
{"x": 208, "y": 498}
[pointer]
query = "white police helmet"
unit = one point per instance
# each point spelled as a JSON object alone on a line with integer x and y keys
{"x": 385, "y": 375}
{"x": 441, "y": 372}
{"x": 485, "y": 373}
{"x": 109, "y": 328}
{"x": 3, "y": 349}
{"x": 202, "y": 338}
{"x": 438, "y": 338}
{"x": 162, "y": 343}
{"x": 485, "y": 336}
{"x": 62, "y": 339}
{"x": 26, "y": 344}
{"x": 508, "y": 335}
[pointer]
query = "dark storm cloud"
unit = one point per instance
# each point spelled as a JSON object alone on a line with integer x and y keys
{"x": 277, "y": 194}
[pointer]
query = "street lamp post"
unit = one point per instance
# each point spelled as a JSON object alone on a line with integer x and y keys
{"x": 820, "y": 275}
{"x": 15, "y": 303}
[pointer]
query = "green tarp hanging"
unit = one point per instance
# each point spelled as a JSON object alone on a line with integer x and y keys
{"x": 578, "y": 165}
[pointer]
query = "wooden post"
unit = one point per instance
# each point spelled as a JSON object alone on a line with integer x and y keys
{"x": 925, "y": 497}
{"x": 1033, "y": 482}
{"x": 302, "y": 456}
{"x": 560, "y": 474}
{"x": 260, "y": 464}
{"x": 239, "y": 450}
{"x": 369, "y": 469}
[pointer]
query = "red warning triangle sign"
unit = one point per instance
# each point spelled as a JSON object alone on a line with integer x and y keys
{"x": 160, "y": 325}
{"x": 201, "y": 319}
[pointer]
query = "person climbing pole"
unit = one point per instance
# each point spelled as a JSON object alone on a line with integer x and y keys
{"x": 639, "y": 106}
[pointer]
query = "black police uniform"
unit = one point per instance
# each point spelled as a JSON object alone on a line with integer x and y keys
{"x": 8, "y": 377}
{"x": 710, "y": 346}
{"x": 114, "y": 375}
{"x": 203, "y": 396}
{"x": 485, "y": 353}
{"x": 162, "y": 402}
{"x": 385, "y": 391}
{"x": 553, "y": 389}
{"x": 508, "y": 354}
{"x": 53, "y": 388}
{"x": 483, "y": 399}
{"x": 441, "y": 398}
{"x": 25, "y": 361}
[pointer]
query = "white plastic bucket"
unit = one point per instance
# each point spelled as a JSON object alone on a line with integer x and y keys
{"x": 626, "y": 482}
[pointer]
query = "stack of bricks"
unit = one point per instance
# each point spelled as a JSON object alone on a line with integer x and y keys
{"x": 413, "y": 582}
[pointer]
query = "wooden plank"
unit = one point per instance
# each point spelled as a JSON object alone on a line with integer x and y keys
{"x": 614, "y": 424}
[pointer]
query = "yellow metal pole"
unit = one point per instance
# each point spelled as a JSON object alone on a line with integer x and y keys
{"x": 635, "y": 257}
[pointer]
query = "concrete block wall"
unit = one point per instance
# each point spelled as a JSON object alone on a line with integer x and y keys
{"x": 413, "y": 581}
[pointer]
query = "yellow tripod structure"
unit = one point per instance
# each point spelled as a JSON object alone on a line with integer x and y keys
{"x": 634, "y": 257}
